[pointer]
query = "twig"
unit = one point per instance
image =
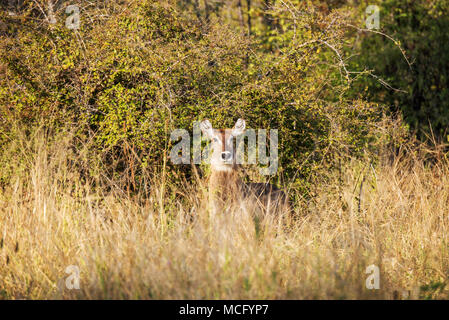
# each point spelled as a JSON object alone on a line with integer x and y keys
{"x": 339, "y": 57}
{"x": 388, "y": 37}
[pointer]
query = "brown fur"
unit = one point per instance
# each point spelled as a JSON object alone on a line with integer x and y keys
{"x": 226, "y": 187}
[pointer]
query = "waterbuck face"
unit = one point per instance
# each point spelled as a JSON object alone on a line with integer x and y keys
{"x": 222, "y": 144}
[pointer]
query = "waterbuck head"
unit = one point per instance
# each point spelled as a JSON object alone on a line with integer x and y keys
{"x": 222, "y": 144}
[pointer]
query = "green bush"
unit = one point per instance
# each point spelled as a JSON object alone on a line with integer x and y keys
{"x": 126, "y": 81}
{"x": 420, "y": 28}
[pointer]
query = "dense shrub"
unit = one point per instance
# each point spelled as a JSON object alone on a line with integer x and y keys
{"x": 134, "y": 72}
{"x": 420, "y": 28}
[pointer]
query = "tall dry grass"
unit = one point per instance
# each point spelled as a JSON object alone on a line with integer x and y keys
{"x": 168, "y": 244}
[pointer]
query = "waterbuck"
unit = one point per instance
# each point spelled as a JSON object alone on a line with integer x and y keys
{"x": 224, "y": 182}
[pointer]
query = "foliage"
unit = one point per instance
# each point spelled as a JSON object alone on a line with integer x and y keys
{"x": 126, "y": 81}
{"x": 422, "y": 94}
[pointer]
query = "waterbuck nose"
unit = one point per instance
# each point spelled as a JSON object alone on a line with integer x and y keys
{"x": 226, "y": 156}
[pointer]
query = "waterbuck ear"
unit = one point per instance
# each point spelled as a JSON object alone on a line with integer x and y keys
{"x": 239, "y": 127}
{"x": 206, "y": 128}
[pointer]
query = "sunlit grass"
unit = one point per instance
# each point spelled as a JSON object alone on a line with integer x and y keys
{"x": 393, "y": 215}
